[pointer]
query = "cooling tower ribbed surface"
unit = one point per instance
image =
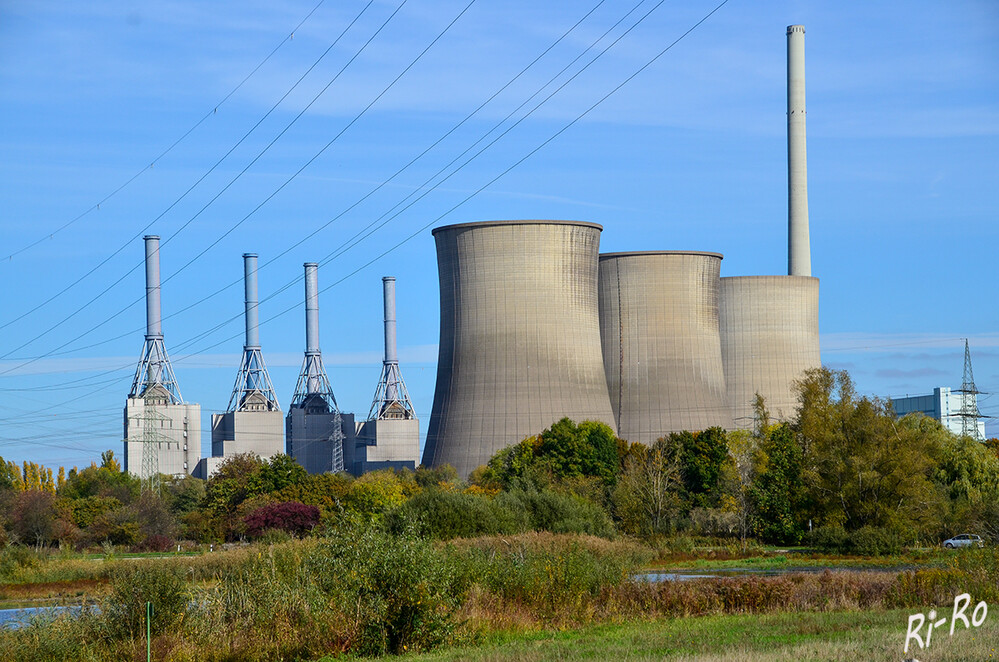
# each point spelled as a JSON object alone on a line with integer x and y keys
{"x": 662, "y": 350}
{"x": 520, "y": 336}
{"x": 769, "y": 337}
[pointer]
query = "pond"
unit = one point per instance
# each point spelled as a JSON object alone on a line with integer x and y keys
{"x": 20, "y": 616}
{"x": 720, "y": 573}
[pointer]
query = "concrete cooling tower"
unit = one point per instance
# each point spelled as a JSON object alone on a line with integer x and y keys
{"x": 520, "y": 336}
{"x": 769, "y": 337}
{"x": 661, "y": 345}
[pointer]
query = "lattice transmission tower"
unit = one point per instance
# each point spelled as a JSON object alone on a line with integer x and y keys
{"x": 152, "y": 440}
{"x": 969, "y": 413}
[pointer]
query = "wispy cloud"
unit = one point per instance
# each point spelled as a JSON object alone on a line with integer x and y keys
{"x": 891, "y": 342}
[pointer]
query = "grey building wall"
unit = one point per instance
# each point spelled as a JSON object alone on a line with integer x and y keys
{"x": 260, "y": 432}
{"x": 769, "y": 337}
{"x": 177, "y": 429}
{"x": 386, "y": 443}
{"x": 520, "y": 336}
{"x": 661, "y": 343}
{"x": 308, "y": 437}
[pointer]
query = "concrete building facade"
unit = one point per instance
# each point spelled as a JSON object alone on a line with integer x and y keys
{"x": 943, "y": 405}
{"x": 520, "y": 336}
{"x": 661, "y": 343}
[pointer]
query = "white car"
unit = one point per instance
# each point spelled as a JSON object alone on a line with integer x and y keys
{"x": 964, "y": 540}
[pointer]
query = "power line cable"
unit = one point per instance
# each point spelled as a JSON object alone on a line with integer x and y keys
{"x": 184, "y": 195}
{"x": 511, "y": 167}
{"x": 356, "y": 203}
{"x": 496, "y": 178}
{"x": 176, "y": 142}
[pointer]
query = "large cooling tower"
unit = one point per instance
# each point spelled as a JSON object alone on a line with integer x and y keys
{"x": 769, "y": 337}
{"x": 661, "y": 346}
{"x": 520, "y": 336}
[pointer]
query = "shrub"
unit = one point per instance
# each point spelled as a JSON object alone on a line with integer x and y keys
{"x": 155, "y": 543}
{"x": 402, "y": 591}
{"x": 880, "y": 541}
{"x": 133, "y": 584}
{"x": 291, "y": 516}
{"x": 446, "y": 514}
{"x": 831, "y": 538}
{"x": 558, "y": 513}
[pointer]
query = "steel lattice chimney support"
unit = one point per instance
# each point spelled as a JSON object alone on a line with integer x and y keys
{"x": 252, "y": 314}
{"x": 391, "y": 358}
{"x": 252, "y": 378}
{"x": 799, "y": 260}
{"x": 154, "y": 367}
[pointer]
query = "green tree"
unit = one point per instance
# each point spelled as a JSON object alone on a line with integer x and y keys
{"x": 863, "y": 467}
{"x": 704, "y": 454}
{"x": 776, "y": 486}
{"x": 647, "y": 497}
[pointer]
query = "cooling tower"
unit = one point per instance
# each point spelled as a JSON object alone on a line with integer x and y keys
{"x": 769, "y": 337}
{"x": 661, "y": 345}
{"x": 520, "y": 336}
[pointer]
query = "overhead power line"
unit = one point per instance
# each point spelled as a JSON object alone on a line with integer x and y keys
{"x": 169, "y": 149}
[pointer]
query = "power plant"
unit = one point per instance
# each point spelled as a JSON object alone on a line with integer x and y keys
{"x": 520, "y": 336}
{"x": 390, "y": 438}
{"x": 679, "y": 347}
{"x": 535, "y": 325}
{"x": 253, "y": 422}
{"x": 315, "y": 427}
{"x": 162, "y": 432}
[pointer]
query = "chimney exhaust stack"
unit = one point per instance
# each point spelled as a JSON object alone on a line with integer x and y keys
{"x": 154, "y": 328}
{"x": 391, "y": 358}
{"x": 799, "y": 261}
{"x": 311, "y": 308}
{"x": 252, "y": 314}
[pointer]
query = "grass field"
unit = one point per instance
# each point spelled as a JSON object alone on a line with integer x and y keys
{"x": 843, "y": 636}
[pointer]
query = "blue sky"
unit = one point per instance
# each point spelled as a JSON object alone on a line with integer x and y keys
{"x": 903, "y": 147}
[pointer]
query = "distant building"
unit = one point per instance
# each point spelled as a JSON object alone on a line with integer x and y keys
{"x": 943, "y": 404}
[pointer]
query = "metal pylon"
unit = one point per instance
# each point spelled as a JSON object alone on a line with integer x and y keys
{"x": 152, "y": 440}
{"x": 969, "y": 413}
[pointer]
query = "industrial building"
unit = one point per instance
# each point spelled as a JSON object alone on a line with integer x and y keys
{"x": 536, "y": 325}
{"x": 947, "y": 406}
{"x": 253, "y": 422}
{"x": 770, "y": 324}
{"x": 316, "y": 431}
{"x": 162, "y": 432}
{"x": 390, "y": 438}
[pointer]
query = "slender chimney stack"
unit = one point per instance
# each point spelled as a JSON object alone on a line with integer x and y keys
{"x": 252, "y": 315}
{"x": 153, "y": 327}
{"x": 315, "y": 382}
{"x": 154, "y": 367}
{"x": 799, "y": 261}
{"x": 391, "y": 358}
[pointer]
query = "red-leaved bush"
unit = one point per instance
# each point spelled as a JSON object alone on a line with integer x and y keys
{"x": 291, "y": 516}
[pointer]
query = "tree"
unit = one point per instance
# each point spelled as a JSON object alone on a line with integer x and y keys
{"x": 291, "y": 516}
{"x": 646, "y": 498}
{"x": 34, "y": 517}
{"x": 776, "y": 486}
{"x": 703, "y": 455}
{"x": 861, "y": 466}
{"x": 276, "y": 473}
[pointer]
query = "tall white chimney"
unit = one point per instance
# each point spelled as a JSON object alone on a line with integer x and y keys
{"x": 799, "y": 260}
